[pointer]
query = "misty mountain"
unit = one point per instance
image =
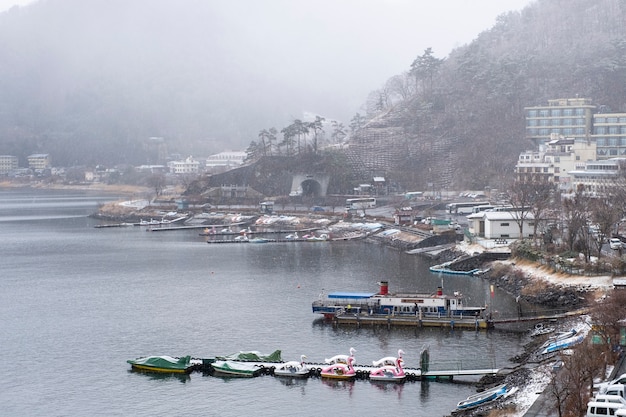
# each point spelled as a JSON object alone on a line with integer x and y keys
{"x": 459, "y": 123}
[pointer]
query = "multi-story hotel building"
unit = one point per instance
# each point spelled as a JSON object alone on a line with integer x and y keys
{"x": 577, "y": 118}
{"x": 39, "y": 161}
{"x": 567, "y": 117}
{"x": 8, "y": 163}
{"x": 609, "y": 133}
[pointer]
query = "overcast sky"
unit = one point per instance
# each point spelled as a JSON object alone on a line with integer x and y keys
{"x": 343, "y": 49}
{"x": 356, "y": 44}
{"x": 7, "y": 4}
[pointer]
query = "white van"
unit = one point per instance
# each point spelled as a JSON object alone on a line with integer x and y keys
{"x": 616, "y": 389}
{"x": 604, "y": 398}
{"x": 603, "y": 409}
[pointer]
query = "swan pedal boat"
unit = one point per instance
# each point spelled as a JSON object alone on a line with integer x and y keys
{"x": 341, "y": 367}
{"x": 340, "y": 358}
{"x": 164, "y": 364}
{"x": 389, "y": 369}
{"x": 293, "y": 369}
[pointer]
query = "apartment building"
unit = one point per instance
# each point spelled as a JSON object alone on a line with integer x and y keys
{"x": 188, "y": 166}
{"x": 8, "y": 163}
{"x": 567, "y": 117}
{"x": 554, "y": 161}
{"x": 39, "y": 161}
{"x": 609, "y": 133}
{"x": 578, "y": 118}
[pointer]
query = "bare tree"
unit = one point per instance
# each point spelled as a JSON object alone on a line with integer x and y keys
{"x": 157, "y": 182}
{"x": 575, "y": 379}
{"x": 605, "y": 214}
{"x": 607, "y": 317}
{"x": 521, "y": 196}
{"x": 575, "y": 213}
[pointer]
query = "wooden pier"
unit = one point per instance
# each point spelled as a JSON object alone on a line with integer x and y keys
{"x": 389, "y": 321}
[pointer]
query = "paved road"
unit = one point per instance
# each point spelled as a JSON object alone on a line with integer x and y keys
{"x": 544, "y": 405}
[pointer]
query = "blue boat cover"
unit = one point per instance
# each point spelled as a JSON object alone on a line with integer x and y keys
{"x": 351, "y": 294}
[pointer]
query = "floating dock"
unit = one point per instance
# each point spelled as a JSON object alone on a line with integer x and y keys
{"x": 389, "y": 321}
{"x": 267, "y": 367}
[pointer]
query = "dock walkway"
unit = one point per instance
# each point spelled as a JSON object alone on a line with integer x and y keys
{"x": 449, "y": 322}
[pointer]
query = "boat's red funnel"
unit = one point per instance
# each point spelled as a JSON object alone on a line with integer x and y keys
{"x": 384, "y": 288}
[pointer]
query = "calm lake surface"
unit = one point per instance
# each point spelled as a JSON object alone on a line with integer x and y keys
{"x": 77, "y": 302}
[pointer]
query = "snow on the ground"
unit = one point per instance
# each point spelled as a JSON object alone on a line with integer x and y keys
{"x": 525, "y": 397}
{"x": 533, "y": 270}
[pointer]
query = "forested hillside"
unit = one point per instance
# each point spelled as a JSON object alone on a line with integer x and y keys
{"x": 459, "y": 122}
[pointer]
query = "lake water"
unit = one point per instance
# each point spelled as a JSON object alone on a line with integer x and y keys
{"x": 77, "y": 302}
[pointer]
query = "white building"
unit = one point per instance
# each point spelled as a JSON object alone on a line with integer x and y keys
{"x": 39, "y": 161}
{"x": 597, "y": 176}
{"x": 8, "y": 163}
{"x": 554, "y": 161}
{"x": 224, "y": 161}
{"x": 188, "y": 166}
{"x": 501, "y": 224}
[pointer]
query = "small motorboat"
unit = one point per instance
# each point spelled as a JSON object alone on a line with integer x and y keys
{"x": 482, "y": 397}
{"x": 165, "y": 364}
{"x": 339, "y": 370}
{"x": 293, "y": 369}
{"x": 564, "y": 343}
{"x": 235, "y": 368}
{"x": 340, "y": 358}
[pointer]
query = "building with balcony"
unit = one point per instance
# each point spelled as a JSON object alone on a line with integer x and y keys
{"x": 8, "y": 163}
{"x": 609, "y": 133}
{"x": 578, "y": 118}
{"x": 39, "y": 161}
{"x": 568, "y": 117}
{"x": 554, "y": 160}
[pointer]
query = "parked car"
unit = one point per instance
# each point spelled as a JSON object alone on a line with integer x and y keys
{"x": 615, "y": 243}
{"x": 603, "y": 398}
{"x": 602, "y": 408}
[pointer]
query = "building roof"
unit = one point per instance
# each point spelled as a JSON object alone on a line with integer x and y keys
{"x": 503, "y": 215}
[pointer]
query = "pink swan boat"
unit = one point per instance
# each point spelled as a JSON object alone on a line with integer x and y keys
{"x": 339, "y": 370}
{"x": 389, "y": 369}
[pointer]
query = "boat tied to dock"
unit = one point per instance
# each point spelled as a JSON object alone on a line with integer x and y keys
{"x": 434, "y": 309}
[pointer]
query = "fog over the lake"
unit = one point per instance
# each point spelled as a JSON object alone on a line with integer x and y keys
{"x": 328, "y": 53}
